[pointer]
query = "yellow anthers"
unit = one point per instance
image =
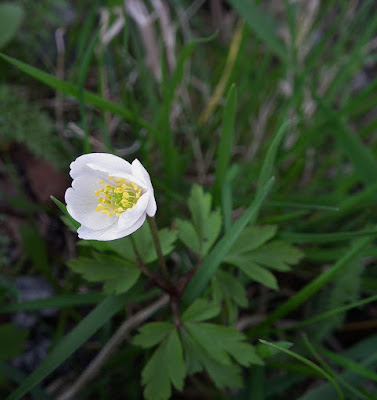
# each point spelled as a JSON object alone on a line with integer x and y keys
{"x": 117, "y": 198}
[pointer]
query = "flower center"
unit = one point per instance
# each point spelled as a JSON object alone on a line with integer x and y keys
{"x": 117, "y": 198}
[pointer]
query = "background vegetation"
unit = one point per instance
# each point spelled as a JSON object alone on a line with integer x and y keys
{"x": 214, "y": 98}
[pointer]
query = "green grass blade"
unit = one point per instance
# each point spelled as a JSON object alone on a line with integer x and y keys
{"x": 349, "y": 365}
{"x": 71, "y": 342}
{"x": 355, "y": 392}
{"x": 308, "y": 363}
{"x": 163, "y": 132}
{"x": 269, "y": 162}
{"x": 331, "y": 313}
{"x": 313, "y": 287}
{"x": 324, "y": 237}
{"x": 81, "y": 85}
{"x": 61, "y": 301}
{"x": 264, "y": 27}
{"x": 305, "y": 206}
{"x": 224, "y": 149}
{"x": 72, "y": 90}
{"x": 13, "y": 374}
{"x": 63, "y": 208}
{"x": 360, "y": 156}
{"x": 211, "y": 263}
{"x": 365, "y": 354}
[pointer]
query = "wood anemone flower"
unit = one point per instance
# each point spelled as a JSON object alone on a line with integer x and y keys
{"x": 109, "y": 197}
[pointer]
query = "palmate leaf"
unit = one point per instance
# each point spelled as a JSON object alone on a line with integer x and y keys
{"x": 143, "y": 242}
{"x": 227, "y": 290}
{"x": 212, "y": 348}
{"x": 227, "y": 286}
{"x": 119, "y": 275}
{"x": 200, "y": 310}
{"x": 166, "y": 367}
{"x": 253, "y": 255}
{"x": 200, "y": 234}
{"x": 221, "y": 342}
{"x": 153, "y": 333}
{"x": 218, "y": 350}
{"x": 197, "y": 360}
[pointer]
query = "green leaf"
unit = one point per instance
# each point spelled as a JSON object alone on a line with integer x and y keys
{"x": 123, "y": 283}
{"x": 269, "y": 161}
{"x": 221, "y": 342}
{"x": 267, "y": 351}
{"x": 313, "y": 287}
{"x": 153, "y": 333}
{"x": 251, "y": 254}
{"x": 63, "y": 208}
{"x": 11, "y": 16}
{"x": 262, "y": 25}
{"x": 202, "y": 233}
{"x": 360, "y": 155}
{"x": 14, "y": 375}
{"x": 308, "y": 363}
{"x": 165, "y": 367}
{"x": 35, "y": 247}
{"x": 200, "y": 310}
{"x": 176, "y": 365}
{"x": 192, "y": 353}
{"x": 119, "y": 274}
{"x": 60, "y": 301}
{"x": 144, "y": 244}
{"x": 253, "y": 271}
{"x": 228, "y": 287}
{"x": 244, "y": 353}
{"x": 70, "y": 343}
{"x": 188, "y": 235}
{"x": 72, "y": 90}
{"x": 197, "y": 359}
{"x": 349, "y": 365}
{"x": 11, "y": 341}
{"x": 99, "y": 269}
{"x": 218, "y": 253}
{"x": 254, "y": 236}
{"x": 209, "y": 337}
{"x": 224, "y": 376}
{"x": 277, "y": 255}
{"x": 224, "y": 149}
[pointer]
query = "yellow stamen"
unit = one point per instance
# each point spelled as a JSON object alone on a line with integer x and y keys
{"x": 118, "y": 197}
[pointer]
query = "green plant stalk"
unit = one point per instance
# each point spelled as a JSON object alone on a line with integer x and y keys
{"x": 311, "y": 288}
{"x": 157, "y": 245}
{"x": 309, "y": 363}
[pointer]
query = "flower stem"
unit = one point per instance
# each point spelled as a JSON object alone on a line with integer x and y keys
{"x": 157, "y": 245}
{"x": 165, "y": 286}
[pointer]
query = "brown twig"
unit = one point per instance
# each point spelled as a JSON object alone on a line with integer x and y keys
{"x": 162, "y": 284}
{"x": 95, "y": 366}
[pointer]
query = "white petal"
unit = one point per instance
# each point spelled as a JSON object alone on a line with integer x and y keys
{"x": 141, "y": 173}
{"x": 101, "y": 171}
{"x": 82, "y": 202}
{"x": 98, "y": 160}
{"x": 110, "y": 233}
{"x": 134, "y": 227}
{"x": 128, "y": 218}
{"x": 152, "y": 206}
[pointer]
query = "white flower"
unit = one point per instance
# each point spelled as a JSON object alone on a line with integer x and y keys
{"x": 109, "y": 197}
